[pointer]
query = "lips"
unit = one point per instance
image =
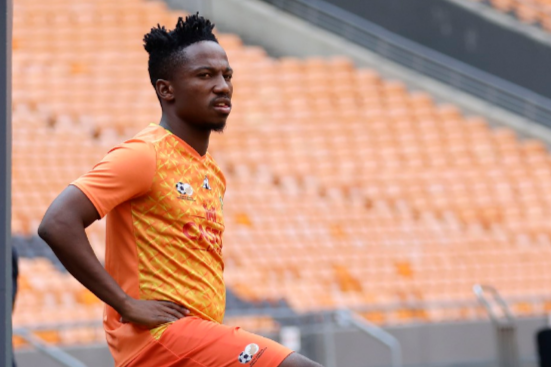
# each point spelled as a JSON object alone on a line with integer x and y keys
{"x": 222, "y": 105}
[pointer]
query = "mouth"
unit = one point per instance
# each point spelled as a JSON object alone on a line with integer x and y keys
{"x": 222, "y": 106}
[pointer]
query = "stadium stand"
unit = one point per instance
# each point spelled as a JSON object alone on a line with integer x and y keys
{"x": 345, "y": 190}
{"x": 527, "y": 11}
{"x": 47, "y": 297}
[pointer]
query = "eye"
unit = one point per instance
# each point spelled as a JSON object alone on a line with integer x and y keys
{"x": 228, "y": 76}
{"x": 204, "y": 75}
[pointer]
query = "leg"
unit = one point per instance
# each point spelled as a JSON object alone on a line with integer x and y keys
{"x": 298, "y": 360}
{"x": 192, "y": 342}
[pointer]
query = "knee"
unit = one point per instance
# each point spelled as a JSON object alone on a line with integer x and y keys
{"x": 298, "y": 360}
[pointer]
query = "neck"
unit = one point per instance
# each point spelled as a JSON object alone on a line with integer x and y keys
{"x": 195, "y": 138}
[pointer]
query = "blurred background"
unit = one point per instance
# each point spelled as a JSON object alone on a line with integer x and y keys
{"x": 389, "y": 178}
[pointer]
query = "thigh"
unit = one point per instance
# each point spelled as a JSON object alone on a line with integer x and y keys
{"x": 193, "y": 342}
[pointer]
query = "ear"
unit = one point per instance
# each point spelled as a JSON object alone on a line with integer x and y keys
{"x": 164, "y": 90}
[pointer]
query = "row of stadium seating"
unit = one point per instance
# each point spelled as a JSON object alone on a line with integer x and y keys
{"x": 527, "y": 11}
{"x": 48, "y": 296}
{"x": 345, "y": 255}
{"x": 344, "y": 189}
{"x": 62, "y": 311}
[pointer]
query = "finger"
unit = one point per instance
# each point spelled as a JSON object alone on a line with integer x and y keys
{"x": 163, "y": 319}
{"x": 173, "y": 312}
{"x": 181, "y": 309}
{"x": 175, "y": 306}
{"x": 170, "y": 318}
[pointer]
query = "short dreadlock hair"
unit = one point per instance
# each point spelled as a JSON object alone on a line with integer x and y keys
{"x": 164, "y": 47}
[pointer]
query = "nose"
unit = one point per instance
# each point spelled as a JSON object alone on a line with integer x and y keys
{"x": 222, "y": 86}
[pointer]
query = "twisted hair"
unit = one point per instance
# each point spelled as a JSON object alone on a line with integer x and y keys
{"x": 164, "y": 47}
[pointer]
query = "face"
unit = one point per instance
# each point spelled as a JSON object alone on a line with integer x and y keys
{"x": 200, "y": 91}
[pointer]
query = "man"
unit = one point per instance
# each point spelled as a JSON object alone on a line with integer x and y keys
{"x": 162, "y": 282}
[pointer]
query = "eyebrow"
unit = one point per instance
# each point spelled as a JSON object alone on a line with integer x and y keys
{"x": 210, "y": 68}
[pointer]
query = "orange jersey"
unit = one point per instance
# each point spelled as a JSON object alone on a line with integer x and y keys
{"x": 164, "y": 230}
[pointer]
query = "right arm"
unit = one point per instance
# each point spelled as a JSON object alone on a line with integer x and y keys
{"x": 63, "y": 230}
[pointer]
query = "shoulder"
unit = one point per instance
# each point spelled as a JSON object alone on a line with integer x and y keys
{"x": 142, "y": 146}
{"x": 132, "y": 153}
{"x": 151, "y": 134}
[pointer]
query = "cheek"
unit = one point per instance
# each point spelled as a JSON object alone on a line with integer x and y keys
{"x": 193, "y": 95}
{"x": 190, "y": 99}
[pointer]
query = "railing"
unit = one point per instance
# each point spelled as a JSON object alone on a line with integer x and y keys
{"x": 504, "y": 323}
{"x": 346, "y": 317}
{"x": 50, "y": 350}
{"x": 481, "y": 84}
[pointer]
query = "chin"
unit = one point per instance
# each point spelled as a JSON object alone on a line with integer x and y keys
{"x": 214, "y": 126}
{"x": 218, "y": 126}
{"x": 219, "y": 129}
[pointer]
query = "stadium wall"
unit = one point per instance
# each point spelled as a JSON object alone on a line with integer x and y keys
{"x": 92, "y": 356}
{"x": 470, "y": 343}
{"x": 465, "y": 35}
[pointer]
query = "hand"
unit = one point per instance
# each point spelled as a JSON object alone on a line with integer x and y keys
{"x": 151, "y": 313}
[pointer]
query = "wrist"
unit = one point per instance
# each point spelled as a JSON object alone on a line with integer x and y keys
{"x": 123, "y": 304}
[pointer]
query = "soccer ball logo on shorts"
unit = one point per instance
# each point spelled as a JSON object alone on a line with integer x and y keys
{"x": 184, "y": 189}
{"x": 247, "y": 355}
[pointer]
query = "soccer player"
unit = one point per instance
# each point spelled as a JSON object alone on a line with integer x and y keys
{"x": 163, "y": 193}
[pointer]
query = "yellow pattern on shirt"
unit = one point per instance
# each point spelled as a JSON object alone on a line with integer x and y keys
{"x": 179, "y": 234}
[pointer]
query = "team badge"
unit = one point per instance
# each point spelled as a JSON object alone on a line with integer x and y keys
{"x": 184, "y": 189}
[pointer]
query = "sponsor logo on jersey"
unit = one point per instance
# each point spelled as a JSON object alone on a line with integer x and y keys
{"x": 206, "y": 238}
{"x": 206, "y": 183}
{"x": 210, "y": 213}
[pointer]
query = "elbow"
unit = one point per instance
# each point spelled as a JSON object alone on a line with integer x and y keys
{"x": 44, "y": 230}
{"x": 50, "y": 226}
{"x": 67, "y": 214}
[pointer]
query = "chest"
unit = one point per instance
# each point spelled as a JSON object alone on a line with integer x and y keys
{"x": 189, "y": 189}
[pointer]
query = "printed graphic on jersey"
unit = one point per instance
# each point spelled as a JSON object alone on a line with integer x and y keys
{"x": 247, "y": 355}
{"x": 206, "y": 183}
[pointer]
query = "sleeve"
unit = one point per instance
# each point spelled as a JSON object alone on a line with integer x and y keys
{"x": 126, "y": 172}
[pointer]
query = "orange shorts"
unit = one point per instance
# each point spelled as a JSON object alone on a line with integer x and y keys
{"x": 194, "y": 342}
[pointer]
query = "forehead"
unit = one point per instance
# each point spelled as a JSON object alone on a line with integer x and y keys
{"x": 205, "y": 54}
